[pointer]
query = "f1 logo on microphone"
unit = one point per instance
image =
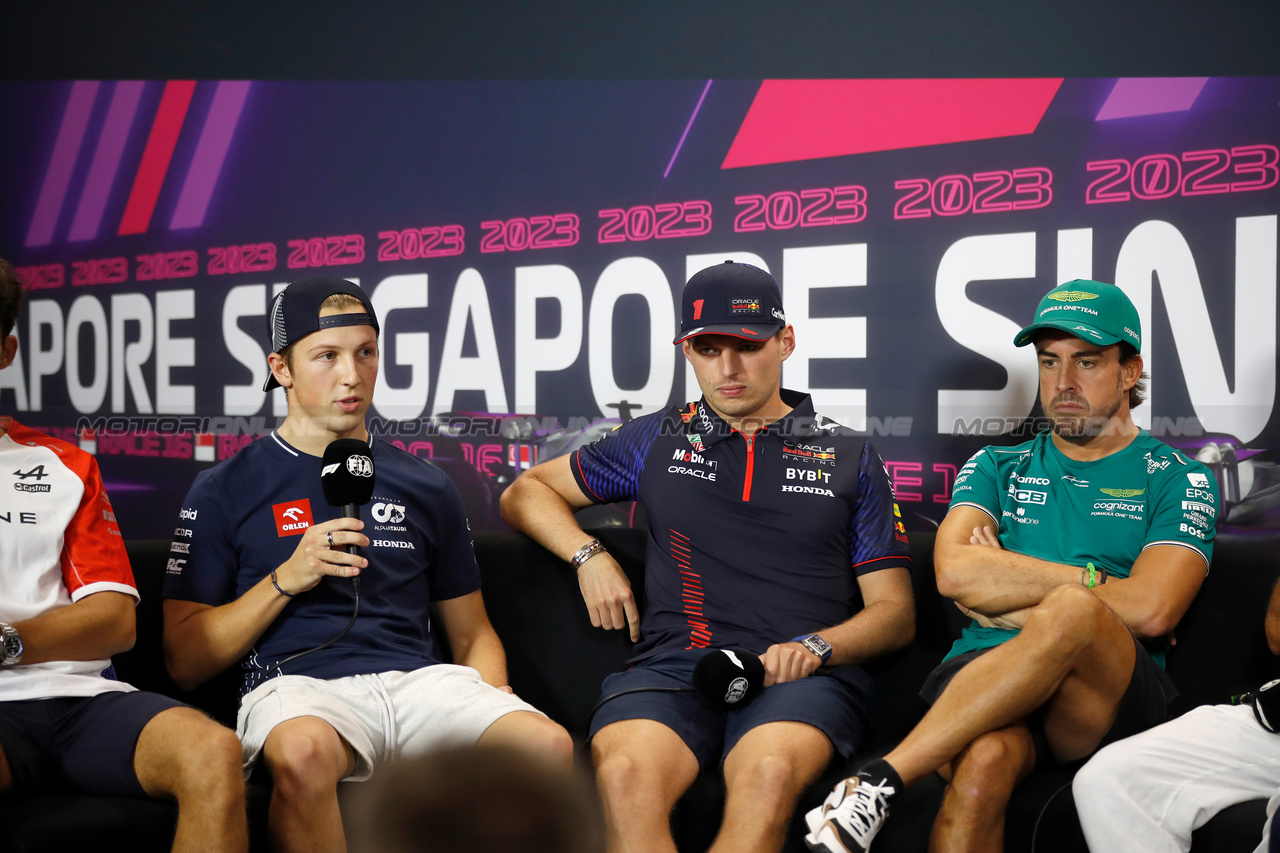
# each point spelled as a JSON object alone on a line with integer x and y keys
{"x": 292, "y": 517}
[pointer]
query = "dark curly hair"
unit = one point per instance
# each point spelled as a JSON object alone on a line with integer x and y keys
{"x": 1138, "y": 392}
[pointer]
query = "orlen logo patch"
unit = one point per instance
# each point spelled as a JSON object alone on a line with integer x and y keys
{"x": 293, "y": 517}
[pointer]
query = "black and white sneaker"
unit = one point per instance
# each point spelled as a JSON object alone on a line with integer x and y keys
{"x": 849, "y": 818}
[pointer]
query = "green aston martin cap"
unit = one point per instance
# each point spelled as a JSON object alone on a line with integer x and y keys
{"x": 1090, "y": 310}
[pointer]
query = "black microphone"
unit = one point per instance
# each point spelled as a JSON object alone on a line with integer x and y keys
{"x": 729, "y": 679}
{"x": 347, "y": 477}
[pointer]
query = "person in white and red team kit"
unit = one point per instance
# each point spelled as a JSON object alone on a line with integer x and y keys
{"x": 66, "y": 605}
{"x": 773, "y": 536}
{"x": 337, "y": 680}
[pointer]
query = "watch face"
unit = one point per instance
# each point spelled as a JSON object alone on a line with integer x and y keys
{"x": 12, "y": 646}
{"x": 818, "y": 646}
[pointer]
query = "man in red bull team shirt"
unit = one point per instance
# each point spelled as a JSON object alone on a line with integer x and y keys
{"x": 771, "y": 534}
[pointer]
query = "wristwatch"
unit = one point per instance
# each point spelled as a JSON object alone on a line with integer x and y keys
{"x": 815, "y": 644}
{"x": 10, "y": 645}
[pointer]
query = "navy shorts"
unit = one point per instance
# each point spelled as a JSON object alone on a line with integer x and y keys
{"x": 85, "y": 740}
{"x": 836, "y": 704}
{"x": 1145, "y": 702}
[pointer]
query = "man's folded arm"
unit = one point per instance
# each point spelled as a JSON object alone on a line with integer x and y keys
{"x": 991, "y": 581}
{"x": 94, "y": 627}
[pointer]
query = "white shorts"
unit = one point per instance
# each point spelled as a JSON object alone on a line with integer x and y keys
{"x": 381, "y": 715}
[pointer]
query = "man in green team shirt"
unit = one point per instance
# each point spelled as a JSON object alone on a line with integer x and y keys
{"x": 1075, "y": 554}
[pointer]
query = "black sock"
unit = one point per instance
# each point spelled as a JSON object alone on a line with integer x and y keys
{"x": 881, "y": 772}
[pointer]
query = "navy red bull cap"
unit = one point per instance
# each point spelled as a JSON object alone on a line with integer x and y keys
{"x": 731, "y": 299}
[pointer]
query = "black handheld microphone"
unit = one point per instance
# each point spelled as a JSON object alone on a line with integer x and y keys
{"x": 729, "y": 679}
{"x": 347, "y": 481}
{"x": 347, "y": 477}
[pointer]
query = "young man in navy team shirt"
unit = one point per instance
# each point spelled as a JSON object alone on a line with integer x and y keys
{"x": 768, "y": 524}
{"x": 260, "y": 573}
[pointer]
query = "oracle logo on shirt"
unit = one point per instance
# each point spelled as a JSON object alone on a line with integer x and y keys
{"x": 292, "y": 517}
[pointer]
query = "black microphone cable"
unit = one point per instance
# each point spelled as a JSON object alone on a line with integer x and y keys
{"x": 355, "y": 611}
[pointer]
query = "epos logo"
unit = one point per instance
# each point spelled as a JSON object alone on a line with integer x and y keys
{"x": 292, "y": 517}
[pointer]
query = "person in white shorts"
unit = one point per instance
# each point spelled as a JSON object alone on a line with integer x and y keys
{"x": 338, "y": 678}
{"x": 1149, "y": 792}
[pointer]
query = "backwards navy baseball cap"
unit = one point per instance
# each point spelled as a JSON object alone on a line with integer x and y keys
{"x": 1090, "y": 310}
{"x": 295, "y": 313}
{"x": 731, "y": 299}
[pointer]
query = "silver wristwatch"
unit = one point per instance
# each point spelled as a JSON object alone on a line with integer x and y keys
{"x": 815, "y": 644}
{"x": 10, "y": 645}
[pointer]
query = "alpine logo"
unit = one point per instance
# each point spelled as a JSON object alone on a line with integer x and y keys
{"x": 292, "y": 517}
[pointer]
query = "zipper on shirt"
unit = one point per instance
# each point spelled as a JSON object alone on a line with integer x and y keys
{"x": 751, "y": 464}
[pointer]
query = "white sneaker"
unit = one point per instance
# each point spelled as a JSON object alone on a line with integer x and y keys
{"x": 849, "y": 817}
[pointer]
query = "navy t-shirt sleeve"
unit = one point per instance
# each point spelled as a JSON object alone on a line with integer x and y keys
{"x": 202, "y": 558}
{"x": 454, "y": 572}
{"x": 609, "y": 470}
{"x": 877, "y": 537}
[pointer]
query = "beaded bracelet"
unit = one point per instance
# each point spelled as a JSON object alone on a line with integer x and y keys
{"x": 1090, "y": 576}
